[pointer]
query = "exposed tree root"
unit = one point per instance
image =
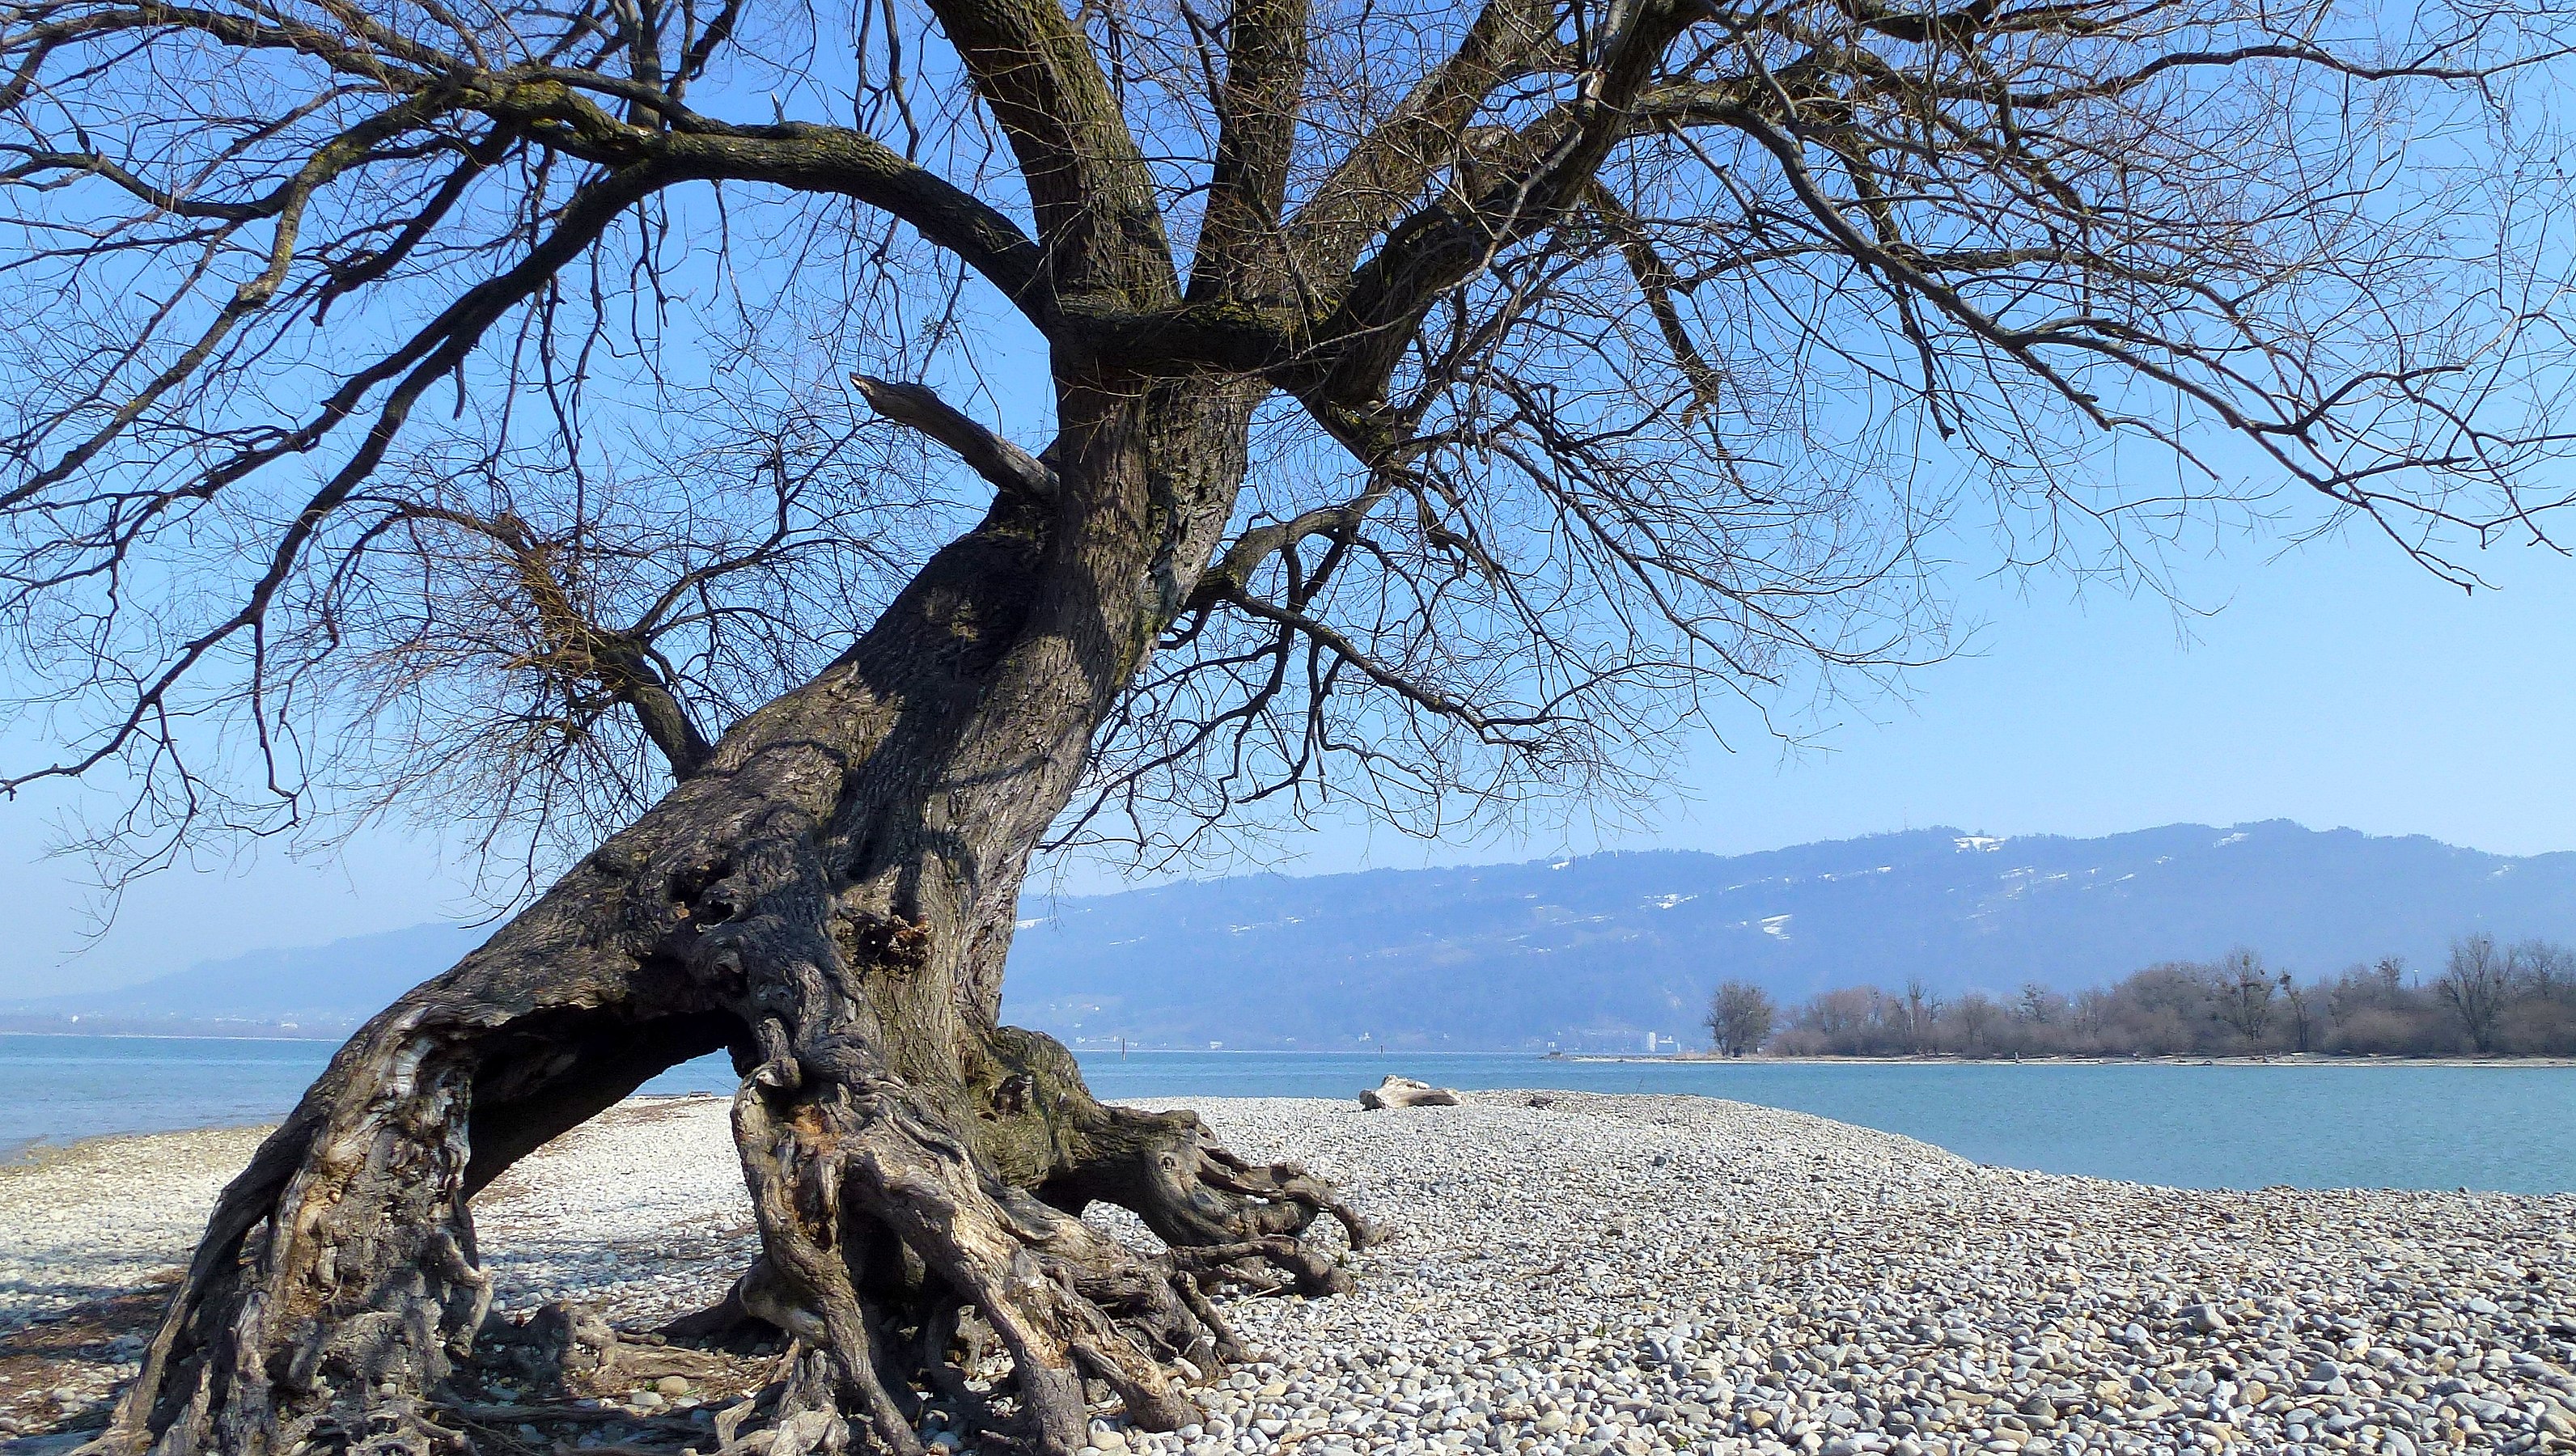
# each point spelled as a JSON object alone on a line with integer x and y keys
{"x": 1227, "y": 1220}
{"x": 917, "y": 1175}
{"x": 1065, "y": 1302}
{"x": 339, "y": 1289}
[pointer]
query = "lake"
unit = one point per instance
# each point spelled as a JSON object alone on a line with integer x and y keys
{"x": 2370, "y": 1125}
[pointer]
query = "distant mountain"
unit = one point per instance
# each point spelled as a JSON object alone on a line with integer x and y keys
{"x": 1593, "y": 952}
{"x": 318, "y": 988}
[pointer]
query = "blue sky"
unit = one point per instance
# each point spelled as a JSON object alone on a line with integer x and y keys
{"x": 2337, "y": 685}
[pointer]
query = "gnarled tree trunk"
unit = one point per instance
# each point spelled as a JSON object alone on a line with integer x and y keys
{"x": 830, "y": 898}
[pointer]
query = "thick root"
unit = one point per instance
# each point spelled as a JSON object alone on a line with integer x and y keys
{"x": 1040, "y": 1126}
{"x": 838, "y": 1164}
{"x": 338, "y": 1287}
{"x": 1227, "y": 1220}
{"x": 337, "y": 1280}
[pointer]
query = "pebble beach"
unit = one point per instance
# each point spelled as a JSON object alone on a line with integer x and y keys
{"x": 1573, "y": 1275}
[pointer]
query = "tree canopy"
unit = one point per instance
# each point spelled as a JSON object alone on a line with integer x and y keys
{"x": 481, "y": 408}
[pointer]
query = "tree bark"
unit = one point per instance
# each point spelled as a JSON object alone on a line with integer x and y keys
{"x": 830, "y": 897}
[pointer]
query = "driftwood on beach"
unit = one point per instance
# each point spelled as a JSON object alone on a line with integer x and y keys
{"x": 1398, "y": 1091}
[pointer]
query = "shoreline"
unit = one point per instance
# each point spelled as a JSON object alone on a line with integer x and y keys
{"x": 2435, "y": 1131}
{"x": 1576, "y": 1274}
{"x": 332, "y": 1038}
{"x": 2286, "y": 1059}
{"x": 41, "y": 1149}
{"x": 1685, "y": 1059}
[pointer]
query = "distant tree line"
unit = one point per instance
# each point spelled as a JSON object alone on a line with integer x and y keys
{"x": 2488, "y": 999}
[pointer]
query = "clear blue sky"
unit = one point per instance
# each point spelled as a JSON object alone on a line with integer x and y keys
{"x": 2338, "y": 686}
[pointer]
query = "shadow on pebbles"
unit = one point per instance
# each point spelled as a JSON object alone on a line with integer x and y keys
{"x": 1572, "y": 1274}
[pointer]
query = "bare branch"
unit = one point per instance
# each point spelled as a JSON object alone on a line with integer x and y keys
{"x": 1006, "y": 466}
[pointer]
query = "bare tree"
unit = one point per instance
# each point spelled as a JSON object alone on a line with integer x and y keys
{"x": 1740, "y": 1018}
{"x": 2187, "y": 1009}
{"x": 2241, "y": 991}
{"x": 1977, "y": 1016}
{"x": 1922, "y": 1016}
{"x": 2300, "y": 1001}
{"x": 2091, "y": 1017}
{"x": 2476, "y": 984}
{"x": 2543, "y": 969}
{"x": 522, "y": 416}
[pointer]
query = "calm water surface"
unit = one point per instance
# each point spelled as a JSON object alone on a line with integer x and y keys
{"x": 2508, "y": 1129}
{"x": 2511, "y": 1129}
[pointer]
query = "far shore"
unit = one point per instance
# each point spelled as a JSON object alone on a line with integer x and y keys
{"x": 331, "y": 1037}
{"x": 2285, "y": 1059}
{"x": 1088, "y": 1047}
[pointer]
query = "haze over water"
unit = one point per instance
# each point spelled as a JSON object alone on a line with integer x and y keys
{"x": 2372, "y": 1125}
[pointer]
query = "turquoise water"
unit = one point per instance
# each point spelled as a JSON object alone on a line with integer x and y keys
{"x": 62, "y": 1088}
{"x": 2511, "y": 1129}
{"x": 2367, "y": 1125}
